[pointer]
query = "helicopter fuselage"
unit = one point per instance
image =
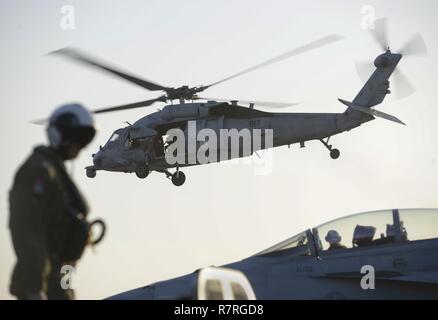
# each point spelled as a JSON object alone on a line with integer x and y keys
{"x": 141, "y": 147}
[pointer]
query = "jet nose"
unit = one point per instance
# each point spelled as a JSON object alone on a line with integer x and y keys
{"x": 97, "y": 158}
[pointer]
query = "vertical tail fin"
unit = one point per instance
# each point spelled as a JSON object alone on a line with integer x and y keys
{"x": 377, "y": 86}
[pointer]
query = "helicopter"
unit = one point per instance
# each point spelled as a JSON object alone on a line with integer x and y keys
{"x": 144, "y": 146}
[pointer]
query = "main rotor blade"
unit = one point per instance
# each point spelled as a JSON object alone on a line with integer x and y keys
{"x": 403, "y": 87}
{"x": 130, "y": 106}
{"x": 415, "y": 46}
{"x": 308, "y": 47}
{"x": 269, "y": 104}
{"x": 380, "y": 33}
{"x": 82, "y": 58}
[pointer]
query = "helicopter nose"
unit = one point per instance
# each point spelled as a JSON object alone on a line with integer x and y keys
{"x": 97, "y": 158}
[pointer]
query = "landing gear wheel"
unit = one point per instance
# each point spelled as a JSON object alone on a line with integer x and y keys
{"x": 335, "y": 153}
{"x": 142, "y": 172}
{"x": 91, "y": 173}
{"x": 178, "y": 178}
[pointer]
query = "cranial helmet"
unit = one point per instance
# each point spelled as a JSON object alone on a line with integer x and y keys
{"x": 333, "y": 237}
{"x": 70, "y": 124}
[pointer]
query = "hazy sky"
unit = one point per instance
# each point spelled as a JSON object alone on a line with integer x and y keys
{"x": 223, "y": 212}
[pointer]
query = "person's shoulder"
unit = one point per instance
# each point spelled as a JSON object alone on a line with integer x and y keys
{"x": 39, "y": 164}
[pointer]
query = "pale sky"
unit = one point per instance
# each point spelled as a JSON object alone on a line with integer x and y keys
{"x": 223, "y": 213}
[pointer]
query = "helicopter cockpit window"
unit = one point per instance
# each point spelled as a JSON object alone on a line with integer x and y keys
{"x": 117, "y": 138}
{"x": 296, "y": 246}
{"x": 114, "y": 137}
{"x": 359, "y": 230}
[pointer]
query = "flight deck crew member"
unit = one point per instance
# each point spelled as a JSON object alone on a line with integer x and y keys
{"x": 47, "y": 211}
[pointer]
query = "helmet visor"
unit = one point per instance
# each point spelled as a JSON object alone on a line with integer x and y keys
{"x": 82, "y": 136}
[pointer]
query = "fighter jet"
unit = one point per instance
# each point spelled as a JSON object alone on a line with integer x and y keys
{"x": 387, "y": 254}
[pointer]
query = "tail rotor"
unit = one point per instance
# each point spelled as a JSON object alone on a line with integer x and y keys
{"x": 415, "y": 46}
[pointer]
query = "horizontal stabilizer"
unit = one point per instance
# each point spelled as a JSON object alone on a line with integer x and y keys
{"x": 373, "y": 112}
{"x": 40, "y": 122}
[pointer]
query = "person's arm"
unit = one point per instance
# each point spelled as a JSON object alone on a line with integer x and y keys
{"x": 29, "y": 229}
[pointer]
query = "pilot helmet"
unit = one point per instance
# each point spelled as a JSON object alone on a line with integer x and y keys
{"x": 70, "y": 124}
{"x": 333, "y": 237}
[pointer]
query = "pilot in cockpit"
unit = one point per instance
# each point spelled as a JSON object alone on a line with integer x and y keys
{"x": 334, "y": 240}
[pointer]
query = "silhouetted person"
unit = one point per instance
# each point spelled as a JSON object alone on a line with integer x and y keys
{"x": 47, "y": 211}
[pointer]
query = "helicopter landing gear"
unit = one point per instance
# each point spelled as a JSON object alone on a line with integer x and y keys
{"x": 142, "y": 172}
{"x": 334, "y": 153}
{"x": 91, "y": 173}
{"x": 178, "y": 178}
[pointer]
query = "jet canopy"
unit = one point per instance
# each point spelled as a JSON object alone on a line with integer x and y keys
{"x": 369, "y": 229}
